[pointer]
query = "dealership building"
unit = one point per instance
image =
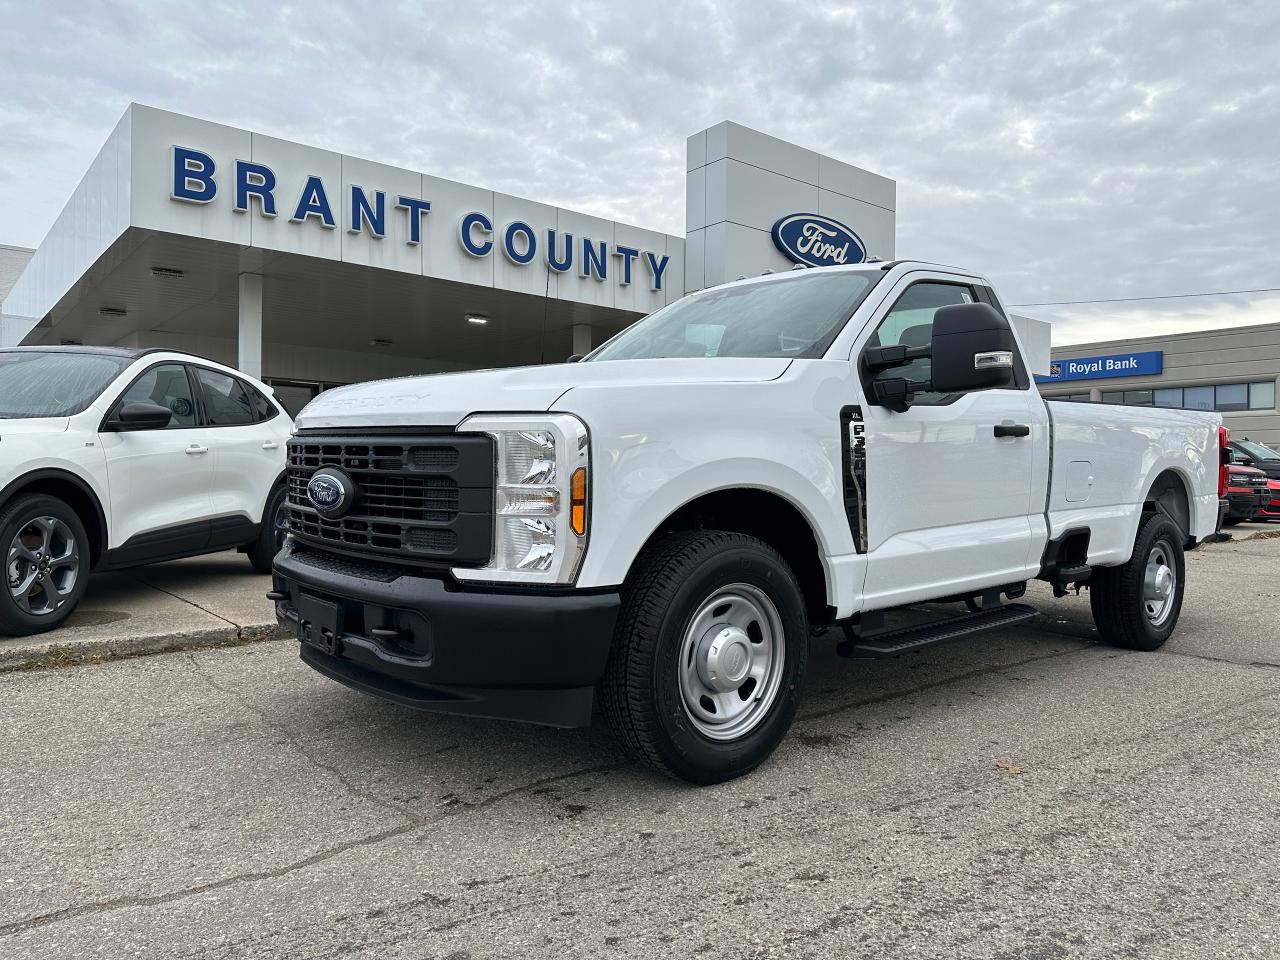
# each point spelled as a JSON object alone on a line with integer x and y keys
{"x": 310, "y": 268}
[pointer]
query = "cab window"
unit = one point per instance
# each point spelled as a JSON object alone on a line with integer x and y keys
{"x": 910, "y": 323}
{"x": 167, "y": 385}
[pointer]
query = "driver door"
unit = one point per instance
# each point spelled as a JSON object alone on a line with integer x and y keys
{"x": 160, "y": 479}
{"x": 949, "y": 502}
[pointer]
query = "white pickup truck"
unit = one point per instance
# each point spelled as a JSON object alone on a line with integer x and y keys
{"x": 666, "y": 521}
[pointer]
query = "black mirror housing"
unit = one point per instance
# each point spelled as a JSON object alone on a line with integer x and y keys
{"x": 141, "y": 415}
{"x": 972, "y": 349}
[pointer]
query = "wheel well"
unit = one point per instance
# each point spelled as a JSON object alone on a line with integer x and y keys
{"x": 1169, "y": 495}
{"x": 75, "y": 495}
{"x": 768, "y": 517}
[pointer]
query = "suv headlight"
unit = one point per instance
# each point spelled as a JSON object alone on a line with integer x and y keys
{"x": 540, "y": 502}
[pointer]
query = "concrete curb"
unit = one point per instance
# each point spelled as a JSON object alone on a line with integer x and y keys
{"x": 47, "y": 651}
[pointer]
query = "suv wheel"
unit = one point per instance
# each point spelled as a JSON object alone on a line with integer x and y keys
{"x": 712, "y": 641}
{"x": 1136, "y": 604}
{"x": 275, "y": 524}
{"x": 46, "y": 564}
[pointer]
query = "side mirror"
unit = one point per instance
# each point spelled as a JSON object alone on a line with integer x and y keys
{"x": 141, "y": 415}
{"x": 972, "y": 349}
{"x": 576, "y": 358}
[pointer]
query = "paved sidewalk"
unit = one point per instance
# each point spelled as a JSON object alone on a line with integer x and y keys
{"x": 204, "y": 601}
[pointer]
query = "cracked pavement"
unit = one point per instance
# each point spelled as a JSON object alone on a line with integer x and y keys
{"x": 231, "y": 803}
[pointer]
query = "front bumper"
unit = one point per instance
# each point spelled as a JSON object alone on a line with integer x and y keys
{"x": 1245, "y": 503}
{"x": 425, "y": 642}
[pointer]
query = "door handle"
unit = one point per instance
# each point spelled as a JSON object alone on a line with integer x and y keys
{"x": 269, "y": 445}
{"x": 1012, "y": 430}
{"x": 195, "y": 449}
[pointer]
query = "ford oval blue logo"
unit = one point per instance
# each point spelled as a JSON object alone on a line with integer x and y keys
{"x": 327, "y": 491}
{"x": 817, "y": 241}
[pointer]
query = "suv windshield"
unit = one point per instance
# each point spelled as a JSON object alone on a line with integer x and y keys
{"x": 792, "y": 317}
{"x": 1257, "y": 450}
{"x": 34, "y": 384}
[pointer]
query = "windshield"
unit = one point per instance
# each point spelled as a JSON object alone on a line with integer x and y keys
{"x": 1257, "y": 450}
{"x": 34, "y": 384}
{"x": 797, "y": 316}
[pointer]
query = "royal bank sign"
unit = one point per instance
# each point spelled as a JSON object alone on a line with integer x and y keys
{"x": 253, "y": 190}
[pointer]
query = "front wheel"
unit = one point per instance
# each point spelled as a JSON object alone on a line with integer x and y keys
{"x": 1136, "y": 605}
{"x": 275, "y": 524}
{"x": 46, "y": 564}
{"x": 708, "y": 657}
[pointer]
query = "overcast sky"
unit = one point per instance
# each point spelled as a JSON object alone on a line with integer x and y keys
{"x": 1072, "y": 150}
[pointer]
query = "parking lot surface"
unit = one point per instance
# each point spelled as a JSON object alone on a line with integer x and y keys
{"x": 1027, "y": 793}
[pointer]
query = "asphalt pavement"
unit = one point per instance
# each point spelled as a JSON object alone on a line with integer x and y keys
{"x": 1028, "y": 793}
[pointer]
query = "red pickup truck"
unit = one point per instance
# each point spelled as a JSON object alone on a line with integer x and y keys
{"x": 1247, "y": 493}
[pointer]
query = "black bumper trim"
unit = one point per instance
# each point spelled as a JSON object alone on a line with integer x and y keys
{"x": 504, "y": 654}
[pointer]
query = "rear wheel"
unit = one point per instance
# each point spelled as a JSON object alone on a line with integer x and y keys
{"x": 46, "y": 564}
{"x": 704, "y": 676}
{"x": 275, "y": 524}
{"x": 1136, "y": 605}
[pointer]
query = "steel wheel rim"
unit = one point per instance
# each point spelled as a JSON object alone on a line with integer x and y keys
{"x": 731, "y": 659}
{"x": 42, "y": 566}
{"x": 1159, "y": 584}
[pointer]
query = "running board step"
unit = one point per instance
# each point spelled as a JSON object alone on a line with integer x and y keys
{"x": 890, "y": 643}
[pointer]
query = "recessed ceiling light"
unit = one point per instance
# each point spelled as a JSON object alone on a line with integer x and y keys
{"x": 477, "y": 319}
{"x": 167, "y": 273}
{"x": 379, "y": 342}
{"x": 112, "y": 313}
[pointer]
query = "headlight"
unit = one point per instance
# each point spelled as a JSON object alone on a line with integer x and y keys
{"x": 540, "y": 504}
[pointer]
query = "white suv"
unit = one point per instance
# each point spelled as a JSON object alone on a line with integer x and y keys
{"x": 112, "y": 457}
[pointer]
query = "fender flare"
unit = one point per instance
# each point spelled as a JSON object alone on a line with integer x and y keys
{"x": 56, "y": 473}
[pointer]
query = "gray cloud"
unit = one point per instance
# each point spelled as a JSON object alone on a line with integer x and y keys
{"x": 1070, "y": 150}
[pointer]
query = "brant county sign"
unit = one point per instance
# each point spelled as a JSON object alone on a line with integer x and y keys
{"x": 256, "y": 187}
{"x": 817, "y": 241}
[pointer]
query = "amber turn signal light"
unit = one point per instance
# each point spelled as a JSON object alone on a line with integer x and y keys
{"x": 578, "y": 501}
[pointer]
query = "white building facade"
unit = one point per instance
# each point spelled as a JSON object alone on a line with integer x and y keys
{"x": 311, "y": 268}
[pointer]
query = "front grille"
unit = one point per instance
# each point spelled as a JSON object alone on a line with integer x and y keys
{"x": 418, "y": 499}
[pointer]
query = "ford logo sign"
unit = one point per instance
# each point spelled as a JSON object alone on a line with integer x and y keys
{"x": 330, "y": 491}
{"x": 817, "y": 241}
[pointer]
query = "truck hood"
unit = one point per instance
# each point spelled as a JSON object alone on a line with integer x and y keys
{"x": 448, "y": 399}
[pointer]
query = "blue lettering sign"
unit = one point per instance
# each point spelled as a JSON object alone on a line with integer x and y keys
{"x": 416, "y": 209}
{"x": 593, "y": 258}
{"x": 554, "y": 262}
{"x": 1113, "y": 365}
{"x": 362, "y": 212}
{"x": 817, "y": 241}
{"x": 470, "y": 223}
{"x": 517, "y": 228}
{"x": 255, "y": 180}
{"x": 192, "y": 175}
{"x": 313, "y": 202}
{"x": 656, "y": 267}
{"x": 628, "y": 255}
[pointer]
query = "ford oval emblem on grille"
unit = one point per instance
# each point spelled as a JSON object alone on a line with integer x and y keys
{"x": 330, "y": 491}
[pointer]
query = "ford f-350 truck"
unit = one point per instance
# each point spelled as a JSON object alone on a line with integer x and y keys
{"x": 665, "y": 522}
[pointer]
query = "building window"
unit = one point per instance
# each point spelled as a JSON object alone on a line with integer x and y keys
{"x": 1262, "y": 396}
{"x": 1198, "y": 398}
{"x": 1113, "y": 396}
{"x": 1138, "y": 398}
{"x": 1167, "y": 397}
{"x": 1231, "y": 396}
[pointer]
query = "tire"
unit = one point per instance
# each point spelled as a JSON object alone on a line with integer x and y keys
{"x": 708, "y": 656}
{"x": 46, "y": 566}
{"x": 271, "y": 535}
{"x": 1129, "y": 608}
